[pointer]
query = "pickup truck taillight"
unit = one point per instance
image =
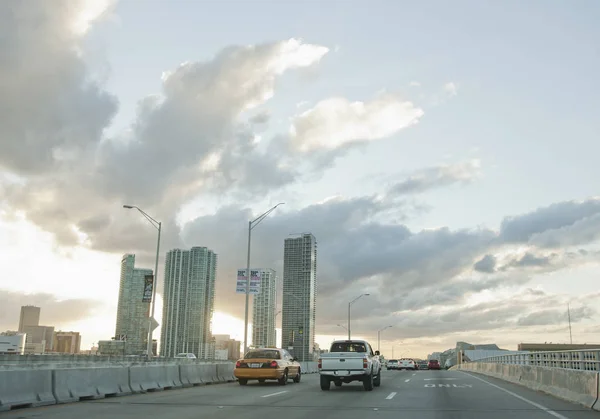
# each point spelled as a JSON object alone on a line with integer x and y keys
{"x": 365, "y": 363}
{"x": 320, "y": 364}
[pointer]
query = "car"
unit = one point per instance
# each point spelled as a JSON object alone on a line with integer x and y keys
{"x": 422, "y": 365}
{"x": 348, "y": 361}
{"x": 185, "y": 356}
{"x": 407, "y": 364}
{"x": 434, "y": 364}
{"x": 267, "y": 364}
{"x": 392, "y": 364}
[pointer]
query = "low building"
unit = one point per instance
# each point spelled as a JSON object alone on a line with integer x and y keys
{"x": 112, "y": 347}
{"x": 67, "y": 342}
{"x": 12, "y": 343}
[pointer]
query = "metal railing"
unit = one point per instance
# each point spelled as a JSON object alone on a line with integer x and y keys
{"x": 585, "y": 360}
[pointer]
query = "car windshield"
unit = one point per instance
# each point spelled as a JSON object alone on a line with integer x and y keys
{"x": 264, "y": 354}
{"x": 348, "y": 347}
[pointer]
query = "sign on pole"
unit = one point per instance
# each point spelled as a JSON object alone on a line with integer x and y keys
{"x": 148, "y": 282}
{"x": 255, "y": 281}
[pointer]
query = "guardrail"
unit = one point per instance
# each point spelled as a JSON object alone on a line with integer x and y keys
{"x": 583, "y": 360}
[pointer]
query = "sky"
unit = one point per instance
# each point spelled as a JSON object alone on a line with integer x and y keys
{"x": 444, "y": 156}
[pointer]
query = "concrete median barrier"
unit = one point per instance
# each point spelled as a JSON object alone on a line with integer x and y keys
{"x": 25, "y": 388}
{"x": 75, "y": 384}
{"x": 154, "y": 377}
{"x": 225, "y": 372}
{"x": 576, "y": 386}
{"x": 191, "y": 375}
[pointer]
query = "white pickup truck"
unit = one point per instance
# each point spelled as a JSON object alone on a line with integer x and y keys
{"x": 350, "y": 360}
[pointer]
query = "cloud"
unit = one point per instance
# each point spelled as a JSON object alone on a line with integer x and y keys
{"x": 486, "y": 264}
{"x": 437, "y": 177}
{"x": 54, "y": 312}
{"x": 451, "y": 89}
{"x": 555, "y": 221}
{"x": 336, "y": 122}
{"x": 52, "y": 111}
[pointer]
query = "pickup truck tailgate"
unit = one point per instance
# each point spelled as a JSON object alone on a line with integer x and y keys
{"x": 349, "y": 361}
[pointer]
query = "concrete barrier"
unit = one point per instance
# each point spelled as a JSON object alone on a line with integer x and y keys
{"x": 25, "y": 388}
{"x": 190, "y": 375}
{"x": 154, "y": 377}
{"x": 75, "y": 384}
{"x": 225, "y": 372}
{"x": 576, "y": 386}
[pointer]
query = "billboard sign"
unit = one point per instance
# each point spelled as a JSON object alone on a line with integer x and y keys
{"x": 148, "y": 282}
{"x": 255, "y": 281}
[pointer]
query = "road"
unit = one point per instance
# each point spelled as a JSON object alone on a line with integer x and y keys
{"x": 405, "y": 394}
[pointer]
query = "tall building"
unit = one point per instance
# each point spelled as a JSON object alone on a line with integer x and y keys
{"x": 263, "y": 311}
{"x": 298, "y": 314}
{"x": 188, "y": 302}
{"x": 67, "y": 342}
{"x": 39, "y": 339}
{"x": 30, "y": 316}
{"x": 132, "y": 311}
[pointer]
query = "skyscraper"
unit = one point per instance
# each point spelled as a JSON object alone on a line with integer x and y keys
{"x": 30, "y": 316}
{"x": 132, "y": 311}
{"x": 263, "y": 311}
{"x": 188, "y": 302}
{"x": 299, "y": 295}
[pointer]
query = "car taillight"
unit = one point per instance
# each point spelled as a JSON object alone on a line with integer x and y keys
{"x": 238, "y": 364}
{"x": 273, "y": 364}
{"x": 365, "y": 363}
{"x": 320, "y": 364}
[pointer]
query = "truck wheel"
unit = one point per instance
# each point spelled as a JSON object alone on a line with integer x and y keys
{"x": 377, "y": 379}
{"x": 368, "y": 382}
{"x": 325, "y": 383}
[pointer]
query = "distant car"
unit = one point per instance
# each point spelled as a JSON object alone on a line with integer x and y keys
{"x": 434, "y": 364}
{"x": 185, "y": 356}
{"x": 392, "y": 364}
{"x": 423, "y": 365}
{"x": 407, "y": 364}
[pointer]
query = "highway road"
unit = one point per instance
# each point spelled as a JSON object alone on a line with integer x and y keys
{"x": 403, "y": 394}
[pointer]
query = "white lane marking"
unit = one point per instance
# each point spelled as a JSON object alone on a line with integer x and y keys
{"x": 436, "y": 379}
{"x": 414, "y": 374}
{"x": 407, "y": 380}
{"x": 391, "y": 396}
{"x": 539, "y": 406}
{"x": 274, "y": 394}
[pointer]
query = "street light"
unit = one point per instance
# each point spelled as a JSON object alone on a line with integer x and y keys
{"x": 341, "y": 325}
{"x": 379, "y": 336}
{"x": 158, "y": 226}
{"x": 302, "y": 301}
{"x": 350, "y": 305}
{"x": 251, "y": 225}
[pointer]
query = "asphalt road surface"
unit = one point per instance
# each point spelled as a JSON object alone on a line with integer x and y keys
{"x": 403, "y": 394}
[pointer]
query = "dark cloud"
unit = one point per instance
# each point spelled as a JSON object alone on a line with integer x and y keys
{"x": 54, "y": 311}
{"x": 486, "y": 264}
{"x": 554, "y": 316}
{"x": 437, "y": 177}
{"x": 562, "y": 215}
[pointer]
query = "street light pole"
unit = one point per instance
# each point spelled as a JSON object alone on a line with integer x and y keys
{"x": 251, "y": 225}
{"x": 379, "y": 336}
{"x": 158, "y": 226}
{"x": 350, "y": 305}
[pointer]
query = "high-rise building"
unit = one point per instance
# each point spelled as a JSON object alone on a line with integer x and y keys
{"x": 298, "y": 314}
{"x": 39, "y": 339}
{"x": 263, "y": 311}
{"x": 67, "y": 342}
{"x": 30, "y": 316}
{"x": 188, "y": 302}
{"x": 132, "y": 311}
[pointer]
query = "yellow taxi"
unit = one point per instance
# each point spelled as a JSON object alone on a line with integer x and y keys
{"x": 267, "y": 364}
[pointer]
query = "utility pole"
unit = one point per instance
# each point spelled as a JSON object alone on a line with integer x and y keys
{"x": 569, "y": 315}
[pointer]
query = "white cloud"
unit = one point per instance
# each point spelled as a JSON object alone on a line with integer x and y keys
{"x": 451, "y": 89}
{"x": 336, "y": 122}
